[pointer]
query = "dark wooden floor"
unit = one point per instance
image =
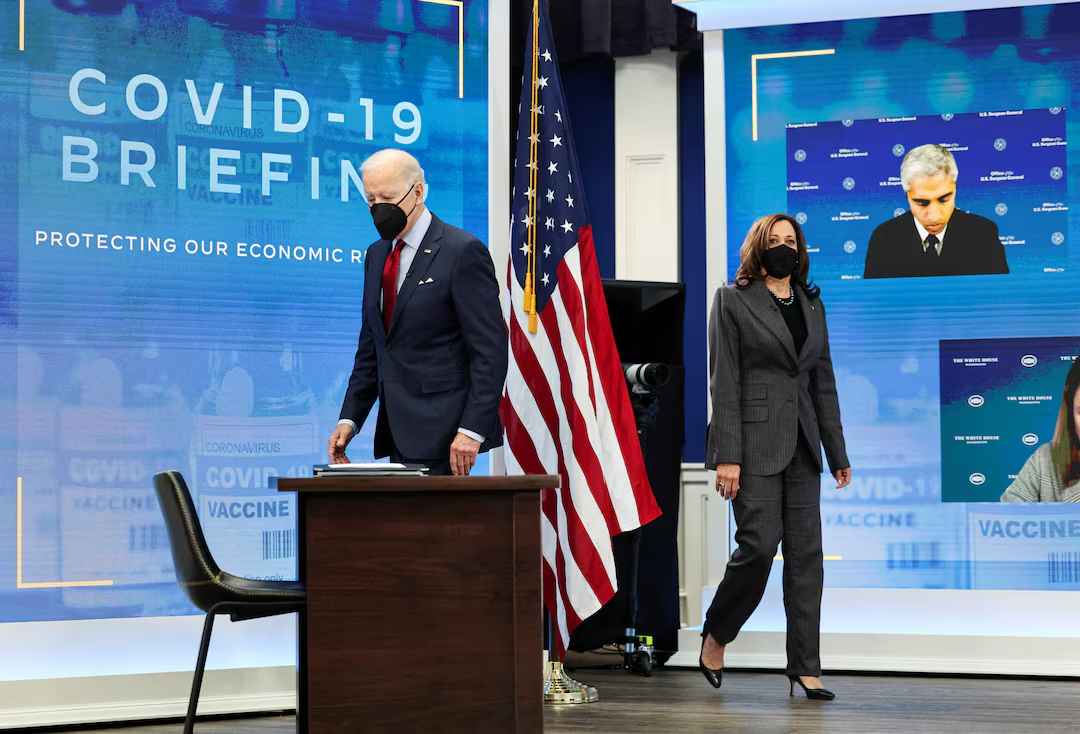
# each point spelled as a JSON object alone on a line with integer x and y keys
{"x": 758, "y": 703}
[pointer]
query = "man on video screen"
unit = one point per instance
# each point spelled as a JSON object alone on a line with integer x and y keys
{"x": 934, "y": 238}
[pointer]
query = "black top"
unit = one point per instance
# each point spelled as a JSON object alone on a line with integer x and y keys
{"x": 793, "y": 317}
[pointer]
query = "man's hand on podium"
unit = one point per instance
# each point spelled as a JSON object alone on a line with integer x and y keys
{"x": 463, "y": 453}
{"x": 339, "y": 439}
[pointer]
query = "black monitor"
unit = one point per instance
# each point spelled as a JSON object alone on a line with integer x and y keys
{"x": 646, "y": 319}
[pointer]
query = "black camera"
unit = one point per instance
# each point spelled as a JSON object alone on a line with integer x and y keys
{"x": 646, "y": 376}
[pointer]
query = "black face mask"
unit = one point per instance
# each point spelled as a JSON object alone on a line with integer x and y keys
{"x": 781, "y": 261}
{"x": 390, "y": 219}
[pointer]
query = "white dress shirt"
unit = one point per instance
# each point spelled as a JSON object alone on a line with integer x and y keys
{"x": 923, "y": 234}
{"x": 413, "y": 239}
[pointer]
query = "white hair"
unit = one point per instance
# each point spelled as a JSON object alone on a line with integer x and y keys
{"x": 408, "y": 168}
{"x": 927, "y": 160}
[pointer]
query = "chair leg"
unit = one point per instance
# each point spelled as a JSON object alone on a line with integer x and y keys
{"x": 200, "y": 666}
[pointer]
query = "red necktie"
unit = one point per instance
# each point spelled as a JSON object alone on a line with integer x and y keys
{"x": 389, "y": 283}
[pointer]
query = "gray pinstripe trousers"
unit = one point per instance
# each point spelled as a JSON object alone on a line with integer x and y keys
{"x": 787, "y": 507}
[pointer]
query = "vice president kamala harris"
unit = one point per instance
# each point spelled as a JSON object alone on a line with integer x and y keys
{"x": 774, "y": 406}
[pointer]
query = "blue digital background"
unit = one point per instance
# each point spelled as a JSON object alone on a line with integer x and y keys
{"x": 119, "y": 363}
{"x": 890, "y": 526}
{"x": 844, "y": 180}
{"x": 1000, "y": 400}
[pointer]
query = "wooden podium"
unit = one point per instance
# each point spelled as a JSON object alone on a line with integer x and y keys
{"x": 424, "y": 604}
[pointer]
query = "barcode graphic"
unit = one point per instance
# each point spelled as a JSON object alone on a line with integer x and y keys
{"x": 145, "y": 538}
{"x": 1063, "y": 568}
{"x": 914, "y": 555}
{"x": 267, "y": 230}
{"x": 279, "y": 544}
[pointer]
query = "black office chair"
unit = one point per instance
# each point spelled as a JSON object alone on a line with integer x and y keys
{"x": 209, "y": 588}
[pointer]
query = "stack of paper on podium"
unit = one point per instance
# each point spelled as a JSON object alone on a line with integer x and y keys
{"x": 374, "y": 469}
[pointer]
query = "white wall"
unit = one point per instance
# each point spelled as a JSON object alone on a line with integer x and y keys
{"x": 499, "y": 156}
{"x": 703, "y": 544}
{"x": 647, "y": 168}
{"x": 103, "y": 699}
{"x": 69, "y": 672}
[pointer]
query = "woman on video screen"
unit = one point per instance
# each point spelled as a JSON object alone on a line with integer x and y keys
{"x": 1052, "y": 473}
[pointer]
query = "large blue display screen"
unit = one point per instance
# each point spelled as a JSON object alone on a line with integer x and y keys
{"x": 836, "y": 106}
{"x": 182, "y": 233}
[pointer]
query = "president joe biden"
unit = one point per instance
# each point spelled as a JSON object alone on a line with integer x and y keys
{"x": 433, "y": 348}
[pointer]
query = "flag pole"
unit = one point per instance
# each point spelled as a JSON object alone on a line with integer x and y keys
{"x": 559, "y": 688}
{"x": 534, "y": 144}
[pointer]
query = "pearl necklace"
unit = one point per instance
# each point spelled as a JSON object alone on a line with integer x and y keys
{"x": 785, "y": 301}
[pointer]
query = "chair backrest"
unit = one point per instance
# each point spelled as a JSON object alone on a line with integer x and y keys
{"x": 196, "y": 571}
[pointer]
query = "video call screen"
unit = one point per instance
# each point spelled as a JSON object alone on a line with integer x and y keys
{"x": 951, "y": 365}
{"x": 1001, "y": 408}
{"x": 845, "y": 186}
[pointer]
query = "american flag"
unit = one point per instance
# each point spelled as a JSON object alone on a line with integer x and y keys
{"x": 566, "y": 409}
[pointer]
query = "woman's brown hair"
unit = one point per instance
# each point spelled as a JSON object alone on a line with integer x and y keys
{"x": 1065, "y": 447}
{"x": 757, "y": 242}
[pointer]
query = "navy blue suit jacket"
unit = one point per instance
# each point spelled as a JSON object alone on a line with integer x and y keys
{"x": 443, "y": 364}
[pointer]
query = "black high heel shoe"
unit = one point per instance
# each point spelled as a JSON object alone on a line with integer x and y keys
{"x": 814, "y": 694}
{"x": 715, "y": 677}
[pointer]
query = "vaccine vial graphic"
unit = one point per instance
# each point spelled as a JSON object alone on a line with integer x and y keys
{"x": 122, "y": 421}
{"x": 256, "y": 420}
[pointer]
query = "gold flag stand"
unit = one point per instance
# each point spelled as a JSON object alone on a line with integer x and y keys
{"x": 561, "y": 689}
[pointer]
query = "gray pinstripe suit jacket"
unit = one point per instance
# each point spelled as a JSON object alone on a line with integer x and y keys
{"x": 762, "y": 391}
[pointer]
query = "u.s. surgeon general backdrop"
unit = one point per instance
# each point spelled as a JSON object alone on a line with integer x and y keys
{"x": 182, "y": 233}
{"x": 986, "y": 191}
